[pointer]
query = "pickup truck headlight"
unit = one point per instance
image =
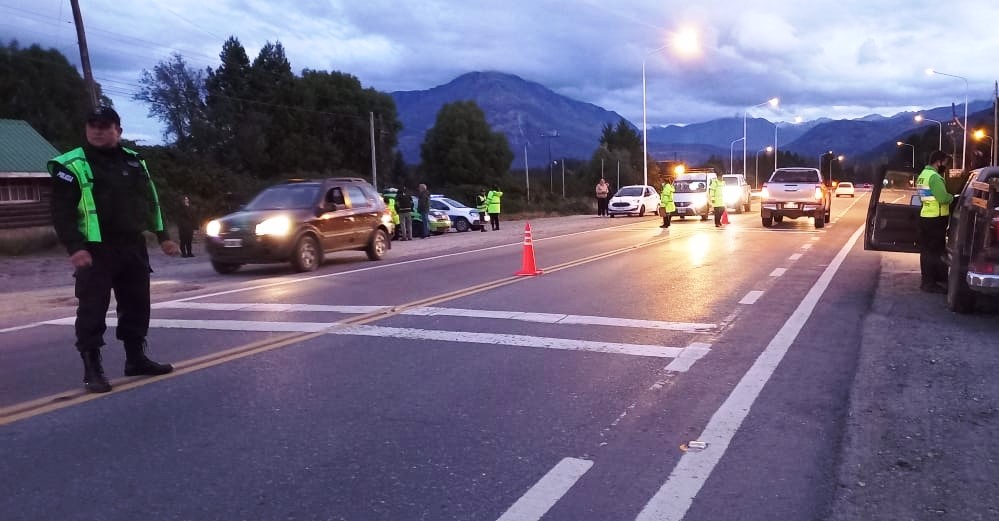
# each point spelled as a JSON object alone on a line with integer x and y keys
{"x": 278, "y": 226}
{"x": 764, "y": 193}
{"x": 213, "y": 228}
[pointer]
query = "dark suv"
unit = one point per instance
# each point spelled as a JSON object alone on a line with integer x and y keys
{"x": 298, "y": 221}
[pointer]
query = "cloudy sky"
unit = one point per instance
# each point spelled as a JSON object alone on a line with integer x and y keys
{"x": 823, "y": 58}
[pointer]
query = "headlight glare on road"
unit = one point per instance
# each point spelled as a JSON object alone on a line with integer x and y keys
{"x": 278, "y": 226}
{"x": 213, "y": 228}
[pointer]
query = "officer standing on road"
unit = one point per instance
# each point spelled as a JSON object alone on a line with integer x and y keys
{"x": 933, "y": 219}
{"x": 716, "y": 193}
{"x": 482, "y": 205}
{"x": 423, "y": 206}
{"x": 493, "y": 205}
{"x": 103, "y": 199}
{"x": 666, "y": 204}
{"x": 185, "y": 227}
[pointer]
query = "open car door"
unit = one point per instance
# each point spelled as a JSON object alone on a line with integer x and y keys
{"x": 893, "y": 213}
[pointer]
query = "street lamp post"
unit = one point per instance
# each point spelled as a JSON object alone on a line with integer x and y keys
{"x": 756, "y": 179}
{"x": 731, "y": 156}
{"x": 745, "y": 115}
{"x": 913, "y": 147}
{"x": 824, "y": 154}
{"x": 797, "y": 119}
{"x": 920, "y": 118}
{"x": 980, "y": 135}
{"x": 686, "y": 42}
{"x": 964, "y": 147}
{"x": 551, "y": 178}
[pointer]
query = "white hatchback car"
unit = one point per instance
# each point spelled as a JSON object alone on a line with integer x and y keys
{"x": 634, "y": 200}
{"x": 844, "y": 188}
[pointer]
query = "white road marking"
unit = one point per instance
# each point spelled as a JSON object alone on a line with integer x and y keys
{"x": 332, "y": 328}
{"x": 778, "y": 272}
{"x": 794, "y": 256}
{"x": 815, "y": 238}
{"x": 545, "y": 318}
{"x": 690, "y": 354}
{"x": 672, "y": 501}
{"x": 540, "y": 498}
{"x": 806, "y": 246}
{"x": 751, "y": 297}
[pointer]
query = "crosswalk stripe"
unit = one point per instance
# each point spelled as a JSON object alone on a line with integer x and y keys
{"x": 544, "y": 318}
{"x": 688, "y": 354}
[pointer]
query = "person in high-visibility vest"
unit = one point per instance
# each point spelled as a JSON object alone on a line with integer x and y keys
{"x": 390, "y": 204}
{"x": 666, "y": 204}
{"x": 482, "y": 205}
{"x": 716, "y": 194}
{"x": 103, "y": 199}
{"x": 493, "y": 206}
{"x": 933, "y": 218}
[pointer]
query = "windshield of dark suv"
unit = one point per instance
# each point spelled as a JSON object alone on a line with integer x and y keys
{"x": 284, "y": 197}
{"x": 688, "y": 187}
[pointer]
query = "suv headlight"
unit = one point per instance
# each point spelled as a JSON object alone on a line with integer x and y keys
{"x": 213, "y": 229}
{"x": 278, "y": 226}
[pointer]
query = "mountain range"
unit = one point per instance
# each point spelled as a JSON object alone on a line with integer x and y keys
{"x": 535, "y": 117}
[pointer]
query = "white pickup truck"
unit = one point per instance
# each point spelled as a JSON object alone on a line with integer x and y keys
{"x": 793, "y": 193}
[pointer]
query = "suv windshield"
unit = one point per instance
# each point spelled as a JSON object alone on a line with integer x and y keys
{"x": 629, "y": 191}
{"x": 686, "y": 187}
{"x": 795, "y": 176}
{"x": 283, "y": 197}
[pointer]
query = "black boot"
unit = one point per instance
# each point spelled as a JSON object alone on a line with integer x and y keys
{"x": 93, "y": 374}
{"x": 136, "y": 362}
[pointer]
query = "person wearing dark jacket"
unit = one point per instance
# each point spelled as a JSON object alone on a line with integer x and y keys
{"x": 103, "y": 199}
{"x": 404, "y": 207}
{"x": 185, "y": 227}
{"x": 423, "y": 206}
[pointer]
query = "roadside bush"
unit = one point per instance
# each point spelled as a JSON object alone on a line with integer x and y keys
{"x": 23, "y": 241}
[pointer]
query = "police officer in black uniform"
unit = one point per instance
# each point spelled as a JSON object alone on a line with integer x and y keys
{"x": 102, "y": 201}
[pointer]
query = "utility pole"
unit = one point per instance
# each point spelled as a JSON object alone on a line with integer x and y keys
{"x": 81, "y": 36}
{"x": 374, "y": 165}
{"x": 527, "y": 174}
{"x": 563, "y": 178}
{"x": 551, "y": 176}
{"x": 995, "y": 121}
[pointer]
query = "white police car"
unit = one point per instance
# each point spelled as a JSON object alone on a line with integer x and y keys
{"x": 463, "y": 218}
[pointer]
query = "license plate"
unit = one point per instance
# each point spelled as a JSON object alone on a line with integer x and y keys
{"x": 790, "y": 205}
{"x": 232, "y": 243}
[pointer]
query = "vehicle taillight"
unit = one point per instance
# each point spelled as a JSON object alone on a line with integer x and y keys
{"x": 995, "y": 226}
{"x": 818, "y": 192}
{"x": 764, "y": 193}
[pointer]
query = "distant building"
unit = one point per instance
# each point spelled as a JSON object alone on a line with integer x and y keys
{"x": 25, "y": 185}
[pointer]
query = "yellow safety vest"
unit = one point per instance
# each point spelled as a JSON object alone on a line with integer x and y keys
{"x": 931, "y": 207}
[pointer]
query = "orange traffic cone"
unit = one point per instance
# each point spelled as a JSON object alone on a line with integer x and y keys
{"x": 724, "y": 219}
{"x": 527, "y": 267}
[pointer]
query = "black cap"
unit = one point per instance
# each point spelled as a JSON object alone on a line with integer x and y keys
{"x": 105, "y": 115}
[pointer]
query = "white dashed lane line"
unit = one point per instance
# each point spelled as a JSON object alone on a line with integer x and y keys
{"x": 751, "y": 297}
{"x": 777, "y": 272}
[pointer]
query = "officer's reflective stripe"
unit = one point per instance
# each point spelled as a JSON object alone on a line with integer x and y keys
{"x": 931, "y": 207}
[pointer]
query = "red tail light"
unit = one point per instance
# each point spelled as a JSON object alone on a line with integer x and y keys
{"x": 818, "y": 192}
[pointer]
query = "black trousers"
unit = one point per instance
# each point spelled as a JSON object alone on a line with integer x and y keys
{"x": 124, "y": 269}
{"x": 494, "y": 219}
{"x": 932, "y": 241}
{"x": 667, "y": 217}
{"x": 602, "y": 205}
{"x": 186, "y": 236}
{"x": 719, "y": 210}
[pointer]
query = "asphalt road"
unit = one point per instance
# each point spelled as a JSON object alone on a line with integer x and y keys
{"x": 437, "y": 386}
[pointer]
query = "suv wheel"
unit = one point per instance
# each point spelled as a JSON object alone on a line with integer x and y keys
{"x": 378, "y": 245}
{"x": 225, "y": 268}
{"x": 820, "y": 220}
{"x": 960, "y": 298}
{"x": 462, "y": 225}
{"x": 306, "y": 255}
{"x": 768, "y": 222}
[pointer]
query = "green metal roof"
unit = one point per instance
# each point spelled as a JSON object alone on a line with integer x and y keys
{"x": 22, "y": 149}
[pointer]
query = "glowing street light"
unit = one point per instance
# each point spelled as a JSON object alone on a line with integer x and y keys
{"x": 773, "y": 102}
{"x": 980, "y": 135}
{"x": 913, "y": 147}
{"x": 920, "y": 118}
{"x": 687, "y": 43}
{"x": 964, "y": 147}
